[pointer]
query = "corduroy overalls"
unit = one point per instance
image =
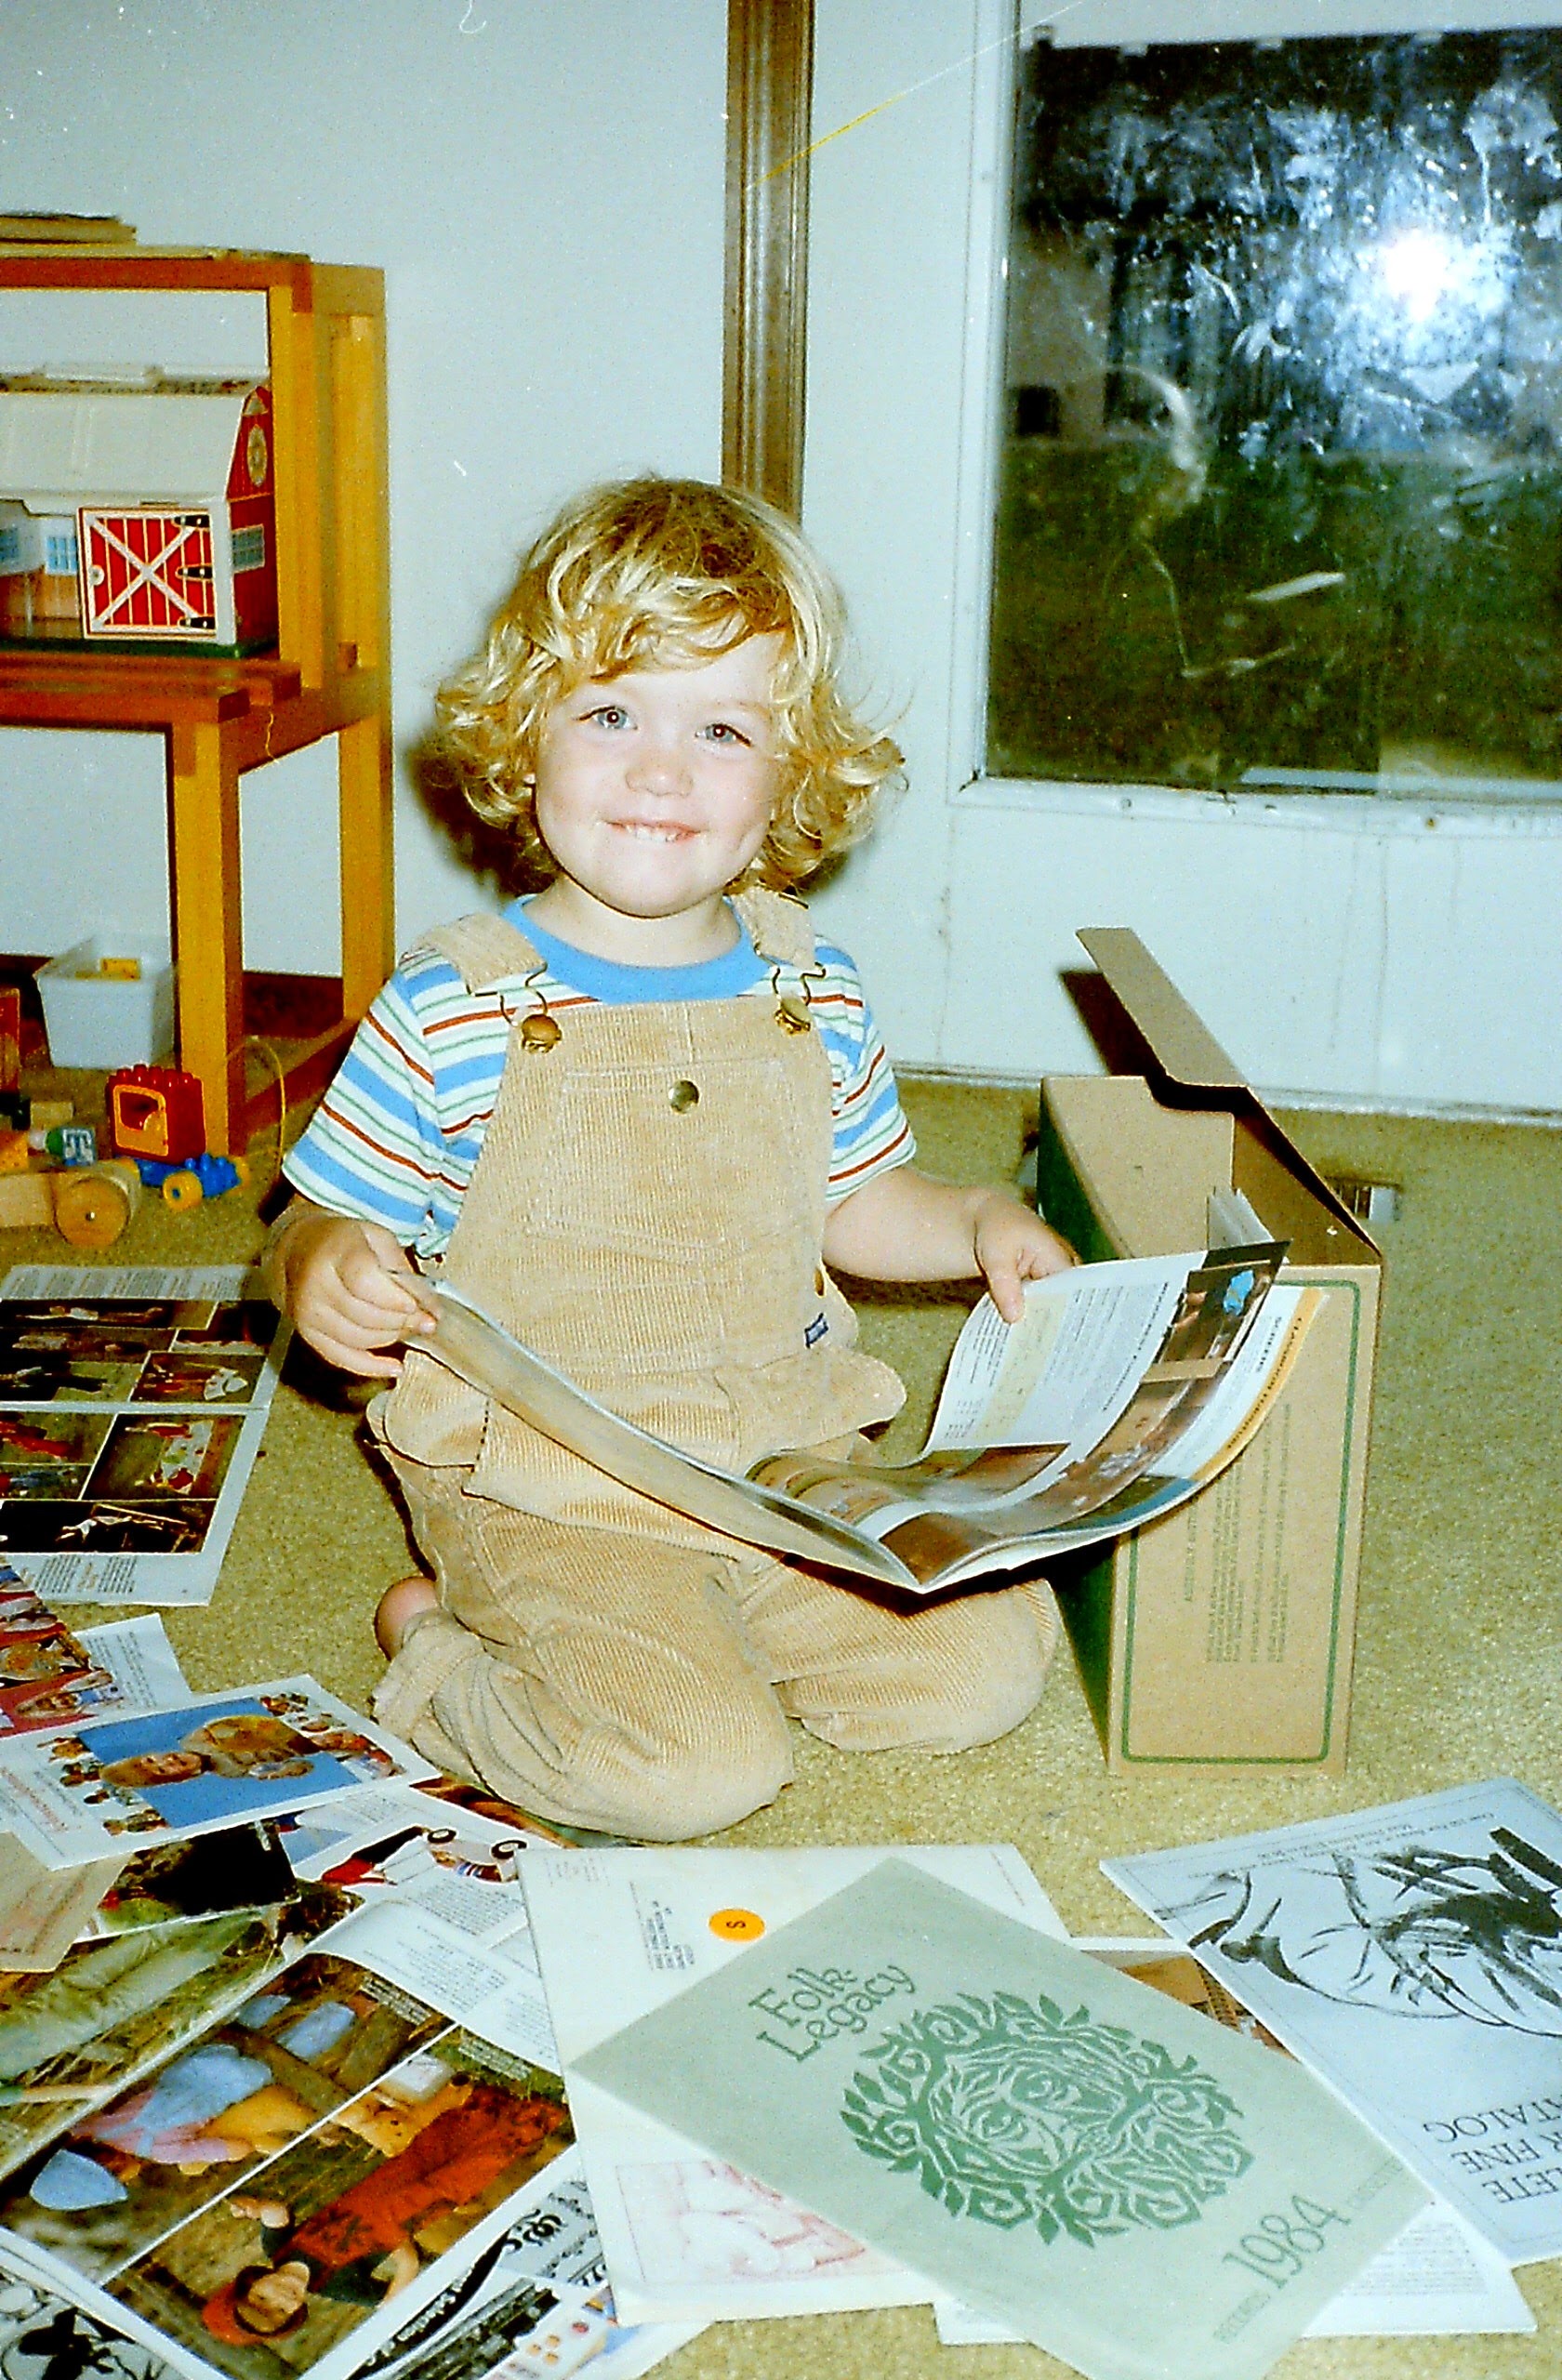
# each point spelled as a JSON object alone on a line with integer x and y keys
{"x": 647, "y": 1214}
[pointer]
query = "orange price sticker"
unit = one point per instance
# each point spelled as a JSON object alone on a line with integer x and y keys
{"x": 737, "y": 1925}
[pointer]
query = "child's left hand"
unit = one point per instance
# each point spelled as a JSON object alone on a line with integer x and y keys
{"x": 1012, "y": 1246}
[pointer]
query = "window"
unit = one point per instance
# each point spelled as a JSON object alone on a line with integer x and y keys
{"x": 1280, "y": 501}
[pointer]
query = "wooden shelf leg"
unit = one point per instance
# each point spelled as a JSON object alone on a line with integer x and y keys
{"x": 368, "y": 923}
{"x": 208, "y": 924}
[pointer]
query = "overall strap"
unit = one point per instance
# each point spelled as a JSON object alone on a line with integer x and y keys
{"x": 483, "y": 949}
{"x": 778, "y": 924}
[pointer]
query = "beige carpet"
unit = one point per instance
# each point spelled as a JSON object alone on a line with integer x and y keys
{"x": 1459, "y": 1641}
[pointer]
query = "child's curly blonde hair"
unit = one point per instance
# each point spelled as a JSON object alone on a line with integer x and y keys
{"x": 667, "y": 574}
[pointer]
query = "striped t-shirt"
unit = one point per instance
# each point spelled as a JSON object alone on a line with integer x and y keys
{"x": 397, "y": 1134}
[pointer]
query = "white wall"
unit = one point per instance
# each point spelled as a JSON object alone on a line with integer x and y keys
{"x": 542, "y": 182}
{"x": 1405, "y": 960}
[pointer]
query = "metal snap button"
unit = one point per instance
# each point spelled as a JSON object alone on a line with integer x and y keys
{"x": 683, "y": 1096}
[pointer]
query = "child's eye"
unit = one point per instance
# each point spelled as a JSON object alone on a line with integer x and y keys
{"x": 719, "y": 732}
{"x": 609, "y": 715}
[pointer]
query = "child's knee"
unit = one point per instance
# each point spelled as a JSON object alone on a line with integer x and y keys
{"x": 693, "y": 1790}
{"x": 972, "y": 1670}
{"x": 987, "y": 1685}
{"x": 658, "y": 1763}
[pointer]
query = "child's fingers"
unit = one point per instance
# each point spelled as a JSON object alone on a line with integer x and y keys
{"x": 1016, "y": 1249}
{"x": 350, "y": 1358}
{"x": 1046, "y": 1255}
{"x": 1004, "y": 1288}
{"x": 374, "y": 1275}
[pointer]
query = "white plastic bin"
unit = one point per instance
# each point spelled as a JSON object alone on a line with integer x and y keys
{"x": 95, "y": 1020}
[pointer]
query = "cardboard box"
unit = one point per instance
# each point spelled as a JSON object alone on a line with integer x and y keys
{"x": 168, "y": 487}
{"x": 1221, "y": 1636}
{"x": 98, "y": 1019}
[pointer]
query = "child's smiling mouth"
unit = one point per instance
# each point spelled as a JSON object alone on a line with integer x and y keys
{"x": 654, "y": 830}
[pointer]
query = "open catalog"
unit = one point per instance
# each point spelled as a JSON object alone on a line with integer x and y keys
{"x": 1122, "y": 1391}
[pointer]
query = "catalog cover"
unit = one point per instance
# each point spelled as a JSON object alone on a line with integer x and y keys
{"x": 690, "y": 2237}
{"x": 1138, "y": 2191}
{"x": 1412, "y": 1955}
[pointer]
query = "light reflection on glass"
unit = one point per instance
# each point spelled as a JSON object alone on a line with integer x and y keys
{"x": 1281, "y": 495}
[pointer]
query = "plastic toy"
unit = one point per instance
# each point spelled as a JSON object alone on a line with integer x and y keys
{"x": 69, "y": 1144}
{"x": 191, "y": 1178}
{"x": 156, "y": 1112}
{"x": 158, "y": 1120}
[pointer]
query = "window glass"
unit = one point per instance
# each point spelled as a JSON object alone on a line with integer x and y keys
{"x": 1281, "y": 474}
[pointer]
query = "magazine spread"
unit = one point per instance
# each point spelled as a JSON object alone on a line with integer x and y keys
{"x": 132, "y": 1405}
{"x": 208, "y": 1762}
{"x": 1123, "y": 1390}
{"x": 376, "y": 2123}
{"x": 53, "y": 1676}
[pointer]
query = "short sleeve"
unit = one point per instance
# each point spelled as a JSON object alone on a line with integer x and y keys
{"x": 374, "y": 1147}
{"x": 871, "y": 1134}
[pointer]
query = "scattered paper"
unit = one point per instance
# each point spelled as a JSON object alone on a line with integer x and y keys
{"x": 114, "y": 2009}
{"x": 1411, "y": 1954}
{"x": 44, "y": 2334}
{"x": 1133, "y": 2187}
{"x": 44, "y": 1910}
{"x": 48, "y": 1674}
{"x": 140, "y": 1660}
{"x": 1439, "y": 2279}
{"x": 537, "y": 2301}
{"x": 132, "y": 1405}
{"x": 690, "y": 2237}
{"x": 1436, "y": 2278}
{"x": 369, "y": 2116}
{"x": 211, "y": 1762}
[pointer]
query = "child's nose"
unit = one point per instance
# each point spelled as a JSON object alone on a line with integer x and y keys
{"x": 658, "y": 766}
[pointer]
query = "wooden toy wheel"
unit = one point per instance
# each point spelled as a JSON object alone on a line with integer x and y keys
{"x": 92, "y": 1206}
{"x": 182, "y": 1190}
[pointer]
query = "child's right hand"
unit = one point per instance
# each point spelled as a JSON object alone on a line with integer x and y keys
{"x": 341, "y": 1283}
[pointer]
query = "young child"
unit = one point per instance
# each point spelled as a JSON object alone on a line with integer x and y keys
{"x": 640, "y": 1118}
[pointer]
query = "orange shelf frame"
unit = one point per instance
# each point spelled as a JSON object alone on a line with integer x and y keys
{"x": 219, "y": 717}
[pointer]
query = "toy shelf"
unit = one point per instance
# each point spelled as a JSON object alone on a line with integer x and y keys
{"x": 219, "y": 717}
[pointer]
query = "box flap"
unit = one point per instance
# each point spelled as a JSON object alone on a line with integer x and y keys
{"x": 1185, "y": 1047}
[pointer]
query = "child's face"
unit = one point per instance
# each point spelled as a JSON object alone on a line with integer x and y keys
{"x": 655, "y": 789}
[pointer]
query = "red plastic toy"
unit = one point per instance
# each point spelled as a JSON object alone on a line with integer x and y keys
{"x": 157, "y": 1112}
{"x": 158, "y": 1120}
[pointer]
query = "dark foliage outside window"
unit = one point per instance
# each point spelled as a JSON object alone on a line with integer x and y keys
{"x": 1281, "y": 485}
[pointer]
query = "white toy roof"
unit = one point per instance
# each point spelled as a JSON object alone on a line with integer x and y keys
{"x": 83, "y": 441}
